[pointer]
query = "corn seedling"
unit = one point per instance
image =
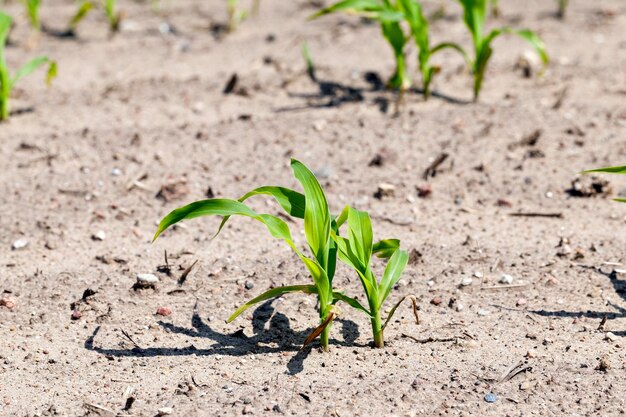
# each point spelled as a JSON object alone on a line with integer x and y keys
{"x": 495, "y": 8}
{"x": 318, "y": 224}
{"x": 7, "y": 82}
{"x": 113, "y": 16}
{"x": 412, "y": 12}
{"x": 32, "y": 11}
{"x": 562, "y": 8}
{"x": 356, "y": 251}
{"x": 610, "y": 170}
{"x": 236, "y": 14}
{"x": 389, "y": 17}
{"x": 83, "y": 10}
{"x": 474, "y": 15}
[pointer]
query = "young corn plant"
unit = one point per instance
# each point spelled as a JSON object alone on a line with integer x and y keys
{"x": 318, "y": 224}
{"x": 7, "y": 82}
{"x": 412, "y": 13}
{"x": 475, "y": 12}
{"x": 32, "y": 11}
{"x": 113, "y": 16}
{"x": 83, "y": 10}
{"x": 389, "y": 17}
{"x": 562, "y": 9}
{"x": 356, "y": 250}
{"x": 610, "y": 170}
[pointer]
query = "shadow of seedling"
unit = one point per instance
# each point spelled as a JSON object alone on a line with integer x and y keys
{"x": 276, "y": 338}
{"x": 620, "y": 313}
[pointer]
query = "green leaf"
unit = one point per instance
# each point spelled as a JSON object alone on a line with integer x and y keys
{"x": 351, "y": 6}
{"x": 610, "y": 170}
{"x": 81, "y": 13}
{"x": 274, "y": 292}
{"x": 291, "y": 201}
{"x": 360, "y": 235}
{"x": 385, "y": 248}
{"x": 535, "y": 41}
{"x": 451, "y": 45}
{"x": 474, "y": 14}
{"x": 393, "y": 272}
{"x": 352, "y": 302}
{"x": 31, "y": 66}
{"x": 316, "y": 213}
{"x": 5, "y": 27}
{"x": 225, "y": 207}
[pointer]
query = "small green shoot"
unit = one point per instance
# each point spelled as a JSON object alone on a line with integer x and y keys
{"x": 356, "y": 251}
{"x": 475, "y": 12}
{"x": 562, "y": 8}
{"x": 610, "y": 170}
{"x": 7, "y": 82}
{"x": 318, "y": 224}
{"x": 389, "y": 17}
{"x": 81, "y": 13}
{"x": 310, "y": 67}
{"x": 236, "y": 15}
{"x": 32, "y": 11}
{"x": 413, "y": 14}
{"x": 113, "y": 16}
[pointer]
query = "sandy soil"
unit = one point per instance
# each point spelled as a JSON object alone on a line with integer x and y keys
{"x": 145, "y": 109}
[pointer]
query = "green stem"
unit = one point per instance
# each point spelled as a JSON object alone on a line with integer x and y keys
{"x": 324, "y": 337}
{"x": 379, "y": 339}
{"x": 400, "y": 79}
{"x": 5, "y": 91}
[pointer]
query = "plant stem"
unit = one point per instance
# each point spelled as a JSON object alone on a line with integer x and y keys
{"x": 324, "y": 337}
{"x": 379, "y": 339}
{"x": 5, "y": 91}
{"x": 400, "y": 79}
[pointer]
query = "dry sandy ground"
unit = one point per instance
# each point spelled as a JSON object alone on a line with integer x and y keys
{"x": 145, "y": 108}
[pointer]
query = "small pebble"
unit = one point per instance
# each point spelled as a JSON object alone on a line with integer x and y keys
{"x": 524, "y": 386}
{"x": 164, "y": 311}
{"x": 491, "y": 397}
{"x": 460, "y": 307}
{"x": 385, "y": 190}
{"x": 76, "y": 315}
{"x": 478, "y": 274}
{"x": 19, "y": 244}
{"x": 165, "y": 411}
{"x": 467, "y": 281}
{"x": 482, "y": 312}
{"x": 531, "y": 354}
{"x": 436, "y": 301}
{"x": 521, "y": 302}
{"x": 147, "y": 279}
{"x": 611, "y": 336}
{"x": 506, "y": 279}
{"x": 100, "y": 235}
{"x": 249, "y": 285}
{"x": 116, "y": 172}
{"x": 7, "y": 302}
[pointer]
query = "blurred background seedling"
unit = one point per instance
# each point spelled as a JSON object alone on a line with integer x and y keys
{"x": 82, "y": 11}
{"x": 32, "y": 12}
{"x": 7, "y": 82}
{"x": 114, "y": 17}
{"x": 474, "y": 15}
{"x": 610, "y": 170}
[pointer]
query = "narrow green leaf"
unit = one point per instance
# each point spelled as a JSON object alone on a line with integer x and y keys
{"x": 451, "y": 45}
{"x": 535, "y": 41}
{"x": 393, "y": 272}
{"x": 81, "y": 13}
{"x": 351, "y": 6}
{"x": 610, "y": 170}
{"x": 5, "y": 27}
{"x": 291, "y": 201}
{"x": 31, "y": 66}
{"x": 352, "y": 302}
{"x": 385, "y": 248}
{"x": 316, "y": 214}
{"x": 272, "y": 293}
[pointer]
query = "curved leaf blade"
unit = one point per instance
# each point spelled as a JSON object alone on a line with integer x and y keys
{"x": 610, "y": 170}
{"x": 392, "y": 274}
{"x": 272, "y": 293}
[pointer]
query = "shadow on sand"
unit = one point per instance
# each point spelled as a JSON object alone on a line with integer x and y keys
{"x": 278, "y": 337}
